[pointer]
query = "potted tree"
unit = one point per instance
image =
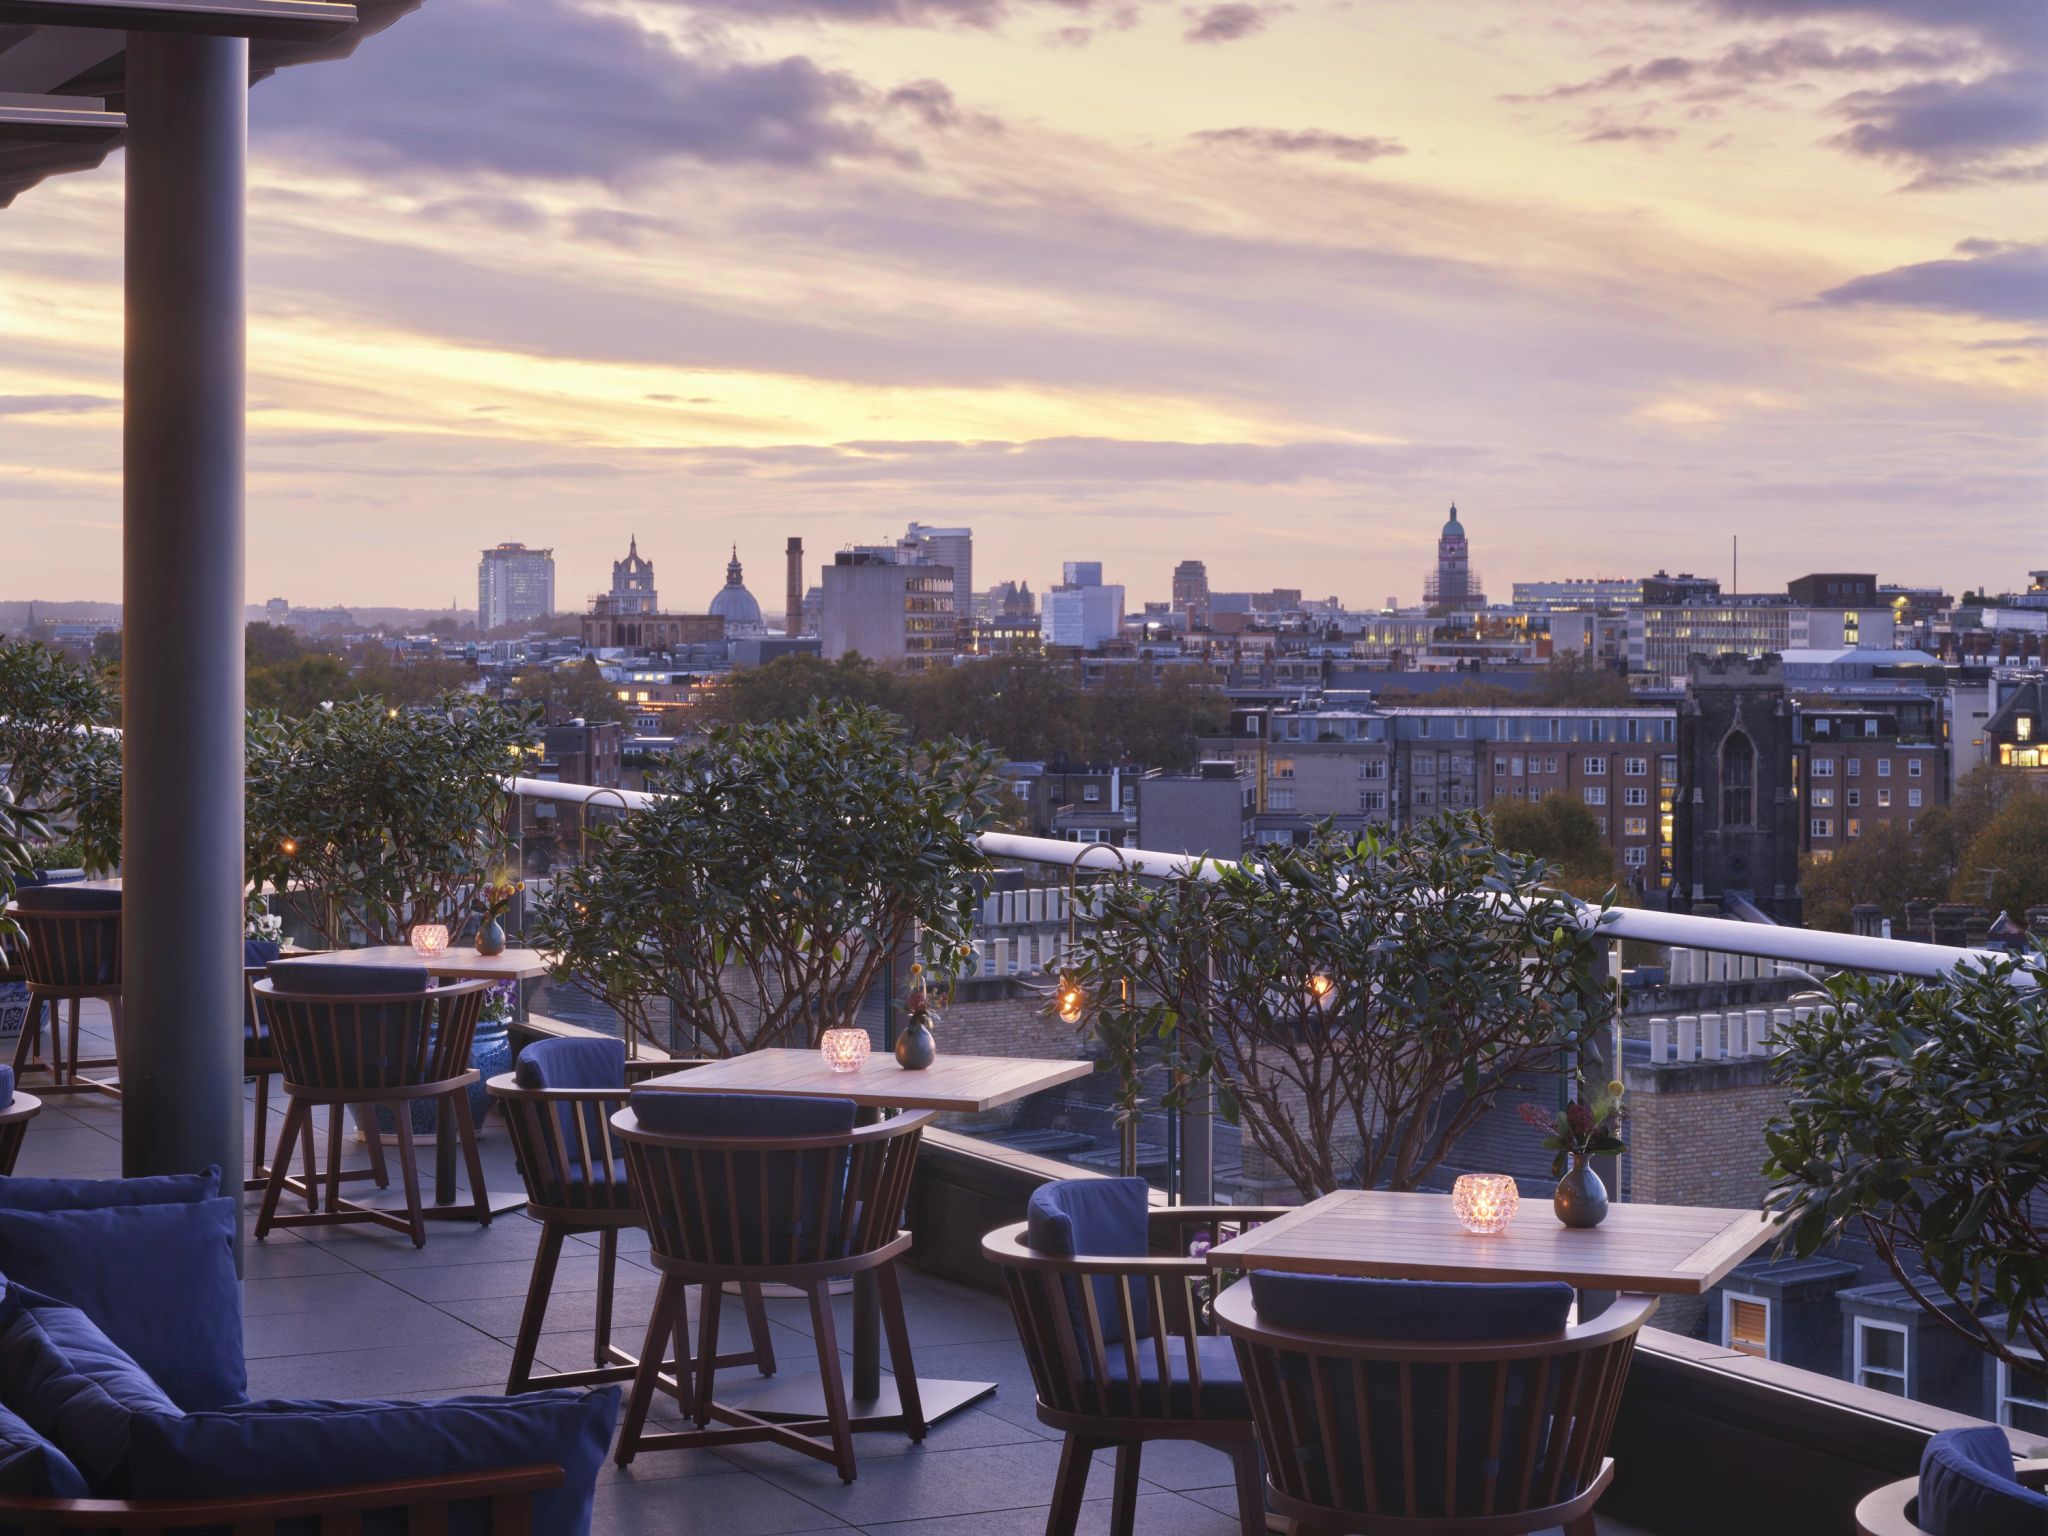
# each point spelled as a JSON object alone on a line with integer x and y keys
{"x": 363, "y": 821}
{"x": 1356, "y": 1003}
{"x": 773, "y": 881}
{"x": 59, "y": 759}
{"x": 1919, "y": 1120}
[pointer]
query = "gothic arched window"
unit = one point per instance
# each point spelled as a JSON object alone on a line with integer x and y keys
{"x": 1738, "y": 781}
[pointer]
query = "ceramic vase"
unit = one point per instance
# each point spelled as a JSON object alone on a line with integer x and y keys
{"x": 490, "y": 939}
{"x": 915, "y": 1047}
{"x": 1581, "y": 1199}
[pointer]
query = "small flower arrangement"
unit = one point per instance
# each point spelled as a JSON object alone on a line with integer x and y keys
{"x": 262, "y": 924}
{"x": 1581, "y": 1128}
{"x": 495, "y": 896}
{"x": 499, "y": 1005}
{"x": 917, "y": 1003}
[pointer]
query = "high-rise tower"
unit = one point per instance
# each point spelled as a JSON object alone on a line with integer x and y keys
{"x": 1453, "y": 584}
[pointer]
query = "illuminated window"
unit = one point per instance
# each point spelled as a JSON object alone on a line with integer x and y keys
{"x": 1884, "y": 799}
{"x": 1283, "y": 767}
{"x": 1635, "y": 826}
{"x": 2023, "y": 727}
{"x": 1823, "y": 798}
{"x": 1853, "y": 827}
{"x": 1746, "y": 1324}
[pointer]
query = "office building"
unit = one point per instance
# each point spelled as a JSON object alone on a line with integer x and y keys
{"x": 514, "y": 585}
{"x": 1191, "y": 592}
{"x": 1610, "y": 594}
{"x": 1081, "y": 612}
{"x": 887, "y": 605}
{"x": 1664, "y": 637}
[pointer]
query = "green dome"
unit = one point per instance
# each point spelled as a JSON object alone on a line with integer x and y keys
{"x": 1454, "y": 529}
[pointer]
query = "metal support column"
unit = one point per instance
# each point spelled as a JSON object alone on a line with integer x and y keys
{"x": 187, "y": 105}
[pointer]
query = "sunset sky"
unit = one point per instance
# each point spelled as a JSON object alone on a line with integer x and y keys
{"x": 1266, "y": 284}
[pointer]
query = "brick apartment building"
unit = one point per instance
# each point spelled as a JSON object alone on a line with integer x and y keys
{"x": 1859, "y": 767}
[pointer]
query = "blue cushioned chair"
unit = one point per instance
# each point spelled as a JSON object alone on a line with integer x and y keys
{"x": 757, "y": 1187}
{"x": 358, "y": 1036}
{"x": 260, "y": 1060}
{"x": 1106, "y": 1293}
{"x": 1385, "y": 1406}
{"x": 1968, "y": 1486}
{"x": 16, "y": 1110}
{"x": 69, "y": 951}
{"x": 559, "y": 1099}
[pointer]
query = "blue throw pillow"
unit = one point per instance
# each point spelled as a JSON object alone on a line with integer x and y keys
{"x": 158, "y": 1279}
{"x": 1968, "y": 1487}
{"x": 72, "y": 1384}
{"x": 1096, "y": 1219}
{"x": 99, "y": 1194}
{"x": 33, "y": 1466}
{"x": 1411, "y": 1311}
{"x": 6, "y": 1086}
{"x": 285, "y": 1447}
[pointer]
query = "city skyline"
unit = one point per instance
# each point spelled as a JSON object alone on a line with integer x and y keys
{"x": 1629, "y": 280}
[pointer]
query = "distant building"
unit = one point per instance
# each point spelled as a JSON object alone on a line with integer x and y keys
{"x": 632, "y": 584}
{"x": 1191, "y": 592}
{"x": 1208, "y": 812}
{"x": 954, "y": 549}
{"x": 1737, "y": 835}
{"x": 734, "y": 603}
{"x": 277, "y": 611}
{"x": 1453, "y": 584}
{"x": 1608, "y": 594}
{"x": 1011, "y": 600}
{"x": 1834, "y": 590}
{"x": 2014, "y": 733}
{"x": 1081, "y": 612}
{"x": 888, "y": 606}
{"x": 514, "y": 585}
{"x": 1664, "y": 637}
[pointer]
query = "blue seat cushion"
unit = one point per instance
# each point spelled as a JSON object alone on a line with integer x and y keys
{"x": 583, "y": 1061}
{"x": 68, "y": 899}
{"x": 798, "y": 1184}
{"x": 287, "y": 1446}
{"x": 1419, "y": 1312}
{"x": 26, "y": 1194}
{"x": 1097, "y": 1219}
{"x": 71, "y": 1384}
{"x": 1411, "y": 1311}
{"x": 1222, "y": 1396}
{"x": 33, "y": 1466}
{"x": 257, "y": 957}
{"x": 326, "y": 978}
{"x": 1968, "y": 1487}
{"x": 6, "y": 1086}
{"x": 158, "y": 1280}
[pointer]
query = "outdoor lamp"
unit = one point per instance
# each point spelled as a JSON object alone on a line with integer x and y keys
{"x": 1070, "y": 999}
{"x": 429, "y": 939}
{"x": 1485, "y": 1202}
{"x": 844, "y": 1050}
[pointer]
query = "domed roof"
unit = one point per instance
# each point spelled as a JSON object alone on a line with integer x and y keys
{"x": 734, "y": 603}
{"x": 1454, "y": 529}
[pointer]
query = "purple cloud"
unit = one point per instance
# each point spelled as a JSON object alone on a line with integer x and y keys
{"x": 1987, "y": 279}
{"x": 1627, "y": 133}
{"x": 1943, "y": 123}
{"x": 547, "y": 89}
{"x": 1747, "y": 64}
{"x": 1227, "y": 23}
{"x": 55, "y": 405}
{"x": 1303, "y": 141}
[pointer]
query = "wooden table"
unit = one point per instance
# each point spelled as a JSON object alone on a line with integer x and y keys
{"x": 1661, "y": 1250}
{"x": 968, "y": 1084}
{"x": 451, "y": 1201}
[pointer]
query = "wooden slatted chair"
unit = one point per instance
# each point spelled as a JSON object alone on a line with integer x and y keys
{"x": 1420, "y": 1408}
{"x": 425, "y": 1504}
{"x": 1108, "y": 1298}
{"x": 559, "y": 1099}
{"x": 756, "y": 1187}
{"x": 361, "y": 1036}
{"x": 16, "y": 1110}
{"x": 69, "y": 951}
{"x": 259, "y": 1061}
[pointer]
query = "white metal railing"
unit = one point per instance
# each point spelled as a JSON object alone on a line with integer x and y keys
{"x": 1719, "y": 935}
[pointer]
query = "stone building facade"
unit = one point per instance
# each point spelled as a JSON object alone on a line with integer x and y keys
{"x": 1736, "y": 814}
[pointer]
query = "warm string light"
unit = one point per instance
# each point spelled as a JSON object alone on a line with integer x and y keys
{"x": 1485, "y": 1202}
{"x": 1321, "y": 988}
{"x": 1071, "y": 1000}
{"x": 844, "y": 1050}
{"x": 288, "y": 847}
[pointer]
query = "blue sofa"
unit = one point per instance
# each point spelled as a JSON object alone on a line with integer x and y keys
{"x": 114, "y": 1391}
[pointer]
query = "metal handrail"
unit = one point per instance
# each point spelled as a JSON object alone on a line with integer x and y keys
{"x": 1799, "y": 946}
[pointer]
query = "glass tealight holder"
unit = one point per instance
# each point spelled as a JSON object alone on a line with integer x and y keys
{"x": 429, "y": 939}
{"x": 844, "y": 1050}
{"x": 1485, "y": 1202}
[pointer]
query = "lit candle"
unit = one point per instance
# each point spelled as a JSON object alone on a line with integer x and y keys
{"x": 1485, "y": 1202}
{"x": 844, "y": 1050}
{"x": 429, "y": 939}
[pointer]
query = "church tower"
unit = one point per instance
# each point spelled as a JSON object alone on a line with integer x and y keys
{"x": 1453, "y": 585}
{"x": 633, "y": 583}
